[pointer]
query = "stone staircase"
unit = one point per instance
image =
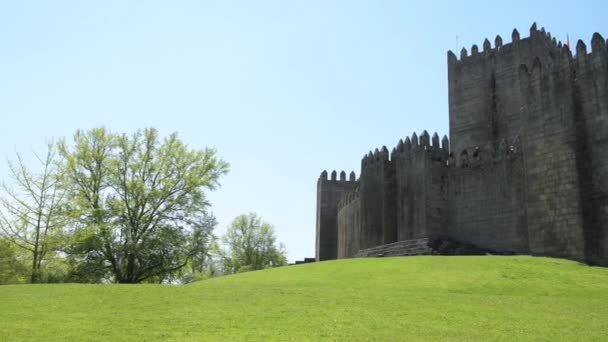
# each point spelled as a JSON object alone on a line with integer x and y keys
{"x": 400, "y": 248}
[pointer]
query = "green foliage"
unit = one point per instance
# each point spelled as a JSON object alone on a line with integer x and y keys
{"x": 251, "y": 245}
{"x": 13, "y": 269}
{"x": 432, "y": 298}
{"x": 137, "y": 204}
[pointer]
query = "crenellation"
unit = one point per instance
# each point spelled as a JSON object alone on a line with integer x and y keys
{"x": 498, "y": 42}
{"x": 435, "y": 139}
{"x": 399, "y": 147}
{"x": 463, "y": 53}
{"x": 515, "y": 36}
{"x": 566, "y": 53}
{"x": 445, "y": 143}
{"x": 487, "y": 46}
{"x": 415, "y": 140}
{"x": 474, "y": 50}
{"x": 407, "y": 144}
{"x": 581, "y": 49}
{"x": 533, "y": 29}
{"x": 425, "y": 139}
{"x": 384, "y": 151}
{"x": 464, "y": 159}
{"x": 487, "y": 154}
{"x": 451, "y": 57}
{"x": 598, "y": 44}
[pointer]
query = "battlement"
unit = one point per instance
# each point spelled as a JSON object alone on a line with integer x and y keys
{"x": 376, "y": 157}
{"x": 424, "y": 143}
{"x": 598, "y": 47}
{"x": 334, "y": 177}
{"x": 486, "y": 155}
{"x": 540, "y": 37}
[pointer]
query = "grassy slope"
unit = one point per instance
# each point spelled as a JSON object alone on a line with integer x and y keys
{"x": 420, "y": 298}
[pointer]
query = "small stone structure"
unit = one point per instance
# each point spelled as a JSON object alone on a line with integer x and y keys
{"x": 525, "y": 170}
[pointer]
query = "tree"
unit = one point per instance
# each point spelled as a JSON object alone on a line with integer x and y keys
{"x": 13, "y": 269}
{"x": 252, "y": 245}
{"x": 138, "y": 203}
{"x": 30, "y": 213}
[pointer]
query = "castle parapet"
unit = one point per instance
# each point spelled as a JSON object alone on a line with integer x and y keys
{"x": 323, "y": 177}
{"x": 480, "y": 156}
{"x": 426, "y": 145}
{"x": 488, "y": 51}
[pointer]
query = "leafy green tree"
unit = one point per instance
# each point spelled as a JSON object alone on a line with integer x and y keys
{"x": 251, "y": 245}
{"x": 137, "y": 203}
{"x": 30, "y": 212}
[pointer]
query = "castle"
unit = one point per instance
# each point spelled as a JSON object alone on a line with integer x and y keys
{"x": 524, "y": 171}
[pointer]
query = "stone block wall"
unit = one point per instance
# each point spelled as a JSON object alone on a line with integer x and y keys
{"x": 553, "y": 201}
{"x": 486, "y": 198}
{"x": 421, "y": 186}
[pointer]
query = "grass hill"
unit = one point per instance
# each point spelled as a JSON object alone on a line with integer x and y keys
{"x": 381, "y": 299}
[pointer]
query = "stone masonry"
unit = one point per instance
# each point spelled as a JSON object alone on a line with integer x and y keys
{"x": 525, "y": 169}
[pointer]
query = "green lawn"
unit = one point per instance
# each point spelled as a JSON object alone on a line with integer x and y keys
{"x": 380, "y": 299}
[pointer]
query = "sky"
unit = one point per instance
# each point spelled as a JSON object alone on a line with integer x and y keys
{"x": 282, "y": 89}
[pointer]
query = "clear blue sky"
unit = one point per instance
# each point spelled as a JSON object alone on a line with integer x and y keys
{"x": 283, "y": 89}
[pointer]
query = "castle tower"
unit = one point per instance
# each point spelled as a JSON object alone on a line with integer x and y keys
{"x": 529, "y": 90}
{"x": 329, "y": 193}
{"x": 484, "y": 88}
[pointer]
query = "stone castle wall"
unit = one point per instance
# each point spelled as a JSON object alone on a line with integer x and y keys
{"x": 525, "y": 169}
{"x": 486, "y": 198}
{"x": 420, "y": 186}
